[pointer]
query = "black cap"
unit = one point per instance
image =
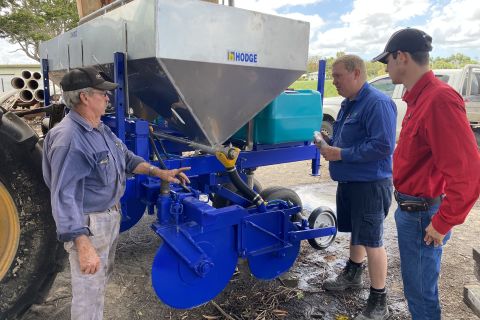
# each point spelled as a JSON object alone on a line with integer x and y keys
{"x": 82, "y": 78}
{"x": 406, "y": 40}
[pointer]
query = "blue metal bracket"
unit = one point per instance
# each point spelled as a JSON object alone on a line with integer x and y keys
{"x": 322, "y": 68}
{"x": 311, "y": 233}
{"x": 119, "y": 78}
{"x": 280, "y": 242}
{"x": 46, "y": 83}
{"x": 185, "y": 247}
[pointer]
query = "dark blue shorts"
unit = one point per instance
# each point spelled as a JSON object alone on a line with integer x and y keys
{"x": 361, "y": 210}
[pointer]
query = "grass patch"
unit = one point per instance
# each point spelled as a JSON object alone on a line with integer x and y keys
{"x": 330, "y": 90}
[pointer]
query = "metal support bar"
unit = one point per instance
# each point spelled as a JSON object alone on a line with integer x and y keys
{"x": 249, "y": 223}
{"x": 46, "y": 82}
{"x": 316, "y": 164}
{"x": 185, "y": 247}
{"x": 322, "y": 67}
{"x": 311, "y": 233}
{"x": 119, "y": 78}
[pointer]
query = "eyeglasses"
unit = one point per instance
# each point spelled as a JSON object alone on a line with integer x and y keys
{"x": 102, "y": 93}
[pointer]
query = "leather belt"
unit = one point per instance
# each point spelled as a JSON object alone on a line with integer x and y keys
{"x": 418, "y": 203}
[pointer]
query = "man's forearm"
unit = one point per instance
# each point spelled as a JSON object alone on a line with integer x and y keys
{"x": 145, "y": 168}
{"x": 173, "y": 175}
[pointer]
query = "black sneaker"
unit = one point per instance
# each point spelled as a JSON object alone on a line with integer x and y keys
{"x": 376, "y": 309}
{"x": 351, "y": 277}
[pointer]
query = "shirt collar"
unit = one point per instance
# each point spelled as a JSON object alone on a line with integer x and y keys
{"x": 411, "y": 96}
{"x": 75, "y": 116}
{"x": 360, "y": 95}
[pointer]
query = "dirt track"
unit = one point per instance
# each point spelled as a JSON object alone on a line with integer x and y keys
{"x": 130, "y": 296}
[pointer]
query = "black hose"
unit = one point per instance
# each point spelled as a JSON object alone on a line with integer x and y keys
{"x": 162, "y": 145}
{"x": 241, "y": 186}
{"x": 157, "y": 154}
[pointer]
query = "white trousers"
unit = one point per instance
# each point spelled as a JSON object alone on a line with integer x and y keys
{"x": 88, "y": 290}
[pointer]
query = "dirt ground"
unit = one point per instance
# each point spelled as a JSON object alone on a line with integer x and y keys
{"x": 130, "y": 295}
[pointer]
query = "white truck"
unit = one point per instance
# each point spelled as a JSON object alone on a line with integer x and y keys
{"x": 465, "y": 81}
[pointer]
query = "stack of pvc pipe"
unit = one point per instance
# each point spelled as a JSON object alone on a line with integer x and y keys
{"x": 30, "y": 85}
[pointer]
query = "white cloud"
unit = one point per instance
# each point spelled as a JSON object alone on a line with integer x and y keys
{"x": 12, "y": 54}
{"x": 366, "y": 29}
{"x": 456, "y": 26}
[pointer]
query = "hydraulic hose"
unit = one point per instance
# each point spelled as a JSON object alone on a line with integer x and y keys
{"x": 228, "y": 158}
{"x": 238, "y": 182}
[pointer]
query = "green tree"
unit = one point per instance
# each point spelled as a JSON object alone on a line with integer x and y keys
{"x": 374, "y": 69}
{"x": 455, "y": 61}
{"x": 28, "y": 22}
{"x": 312, "y": 63}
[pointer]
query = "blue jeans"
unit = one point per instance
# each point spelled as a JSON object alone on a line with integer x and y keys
{"x": 420, "y": 263}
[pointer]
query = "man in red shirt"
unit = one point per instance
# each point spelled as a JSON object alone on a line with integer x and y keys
{"x": 436, "y": 168}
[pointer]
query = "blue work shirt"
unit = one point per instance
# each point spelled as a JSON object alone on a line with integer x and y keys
{"x": 365, "y": 131}
{"x": 85, "y": 169}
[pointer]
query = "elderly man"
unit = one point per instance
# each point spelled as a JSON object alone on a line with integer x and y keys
{"x": 85, "y": 167}
{"x": 360, "y": 155}
{"x": 436, "y": 168}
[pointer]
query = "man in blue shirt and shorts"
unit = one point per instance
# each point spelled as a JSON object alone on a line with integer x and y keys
{"x": 360, "y": 159}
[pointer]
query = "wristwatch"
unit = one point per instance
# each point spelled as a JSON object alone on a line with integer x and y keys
{"x": 150, "y": 170}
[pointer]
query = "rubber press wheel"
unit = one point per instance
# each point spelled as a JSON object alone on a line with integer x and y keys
{"x": 322, "y": 217}
{"x": 285, "y": 194}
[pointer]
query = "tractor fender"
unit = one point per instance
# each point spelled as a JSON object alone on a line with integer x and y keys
{"x": 17, "y": 130}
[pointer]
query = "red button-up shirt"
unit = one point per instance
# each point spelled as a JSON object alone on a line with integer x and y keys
{"x": 437, "y": 151}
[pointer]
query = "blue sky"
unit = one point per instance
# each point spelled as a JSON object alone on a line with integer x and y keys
{"x": 362, "y": 27}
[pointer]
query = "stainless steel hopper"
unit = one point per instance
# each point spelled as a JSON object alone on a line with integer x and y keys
{"x": 205, "y": 68}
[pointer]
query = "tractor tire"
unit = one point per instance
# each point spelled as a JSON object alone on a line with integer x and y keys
{"x": 220, "y": 202}
{"x": 281, "y": 193}
{"x": 30, "y": 255}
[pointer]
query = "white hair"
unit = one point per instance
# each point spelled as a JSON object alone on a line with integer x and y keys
{"x": 72, "y": 98}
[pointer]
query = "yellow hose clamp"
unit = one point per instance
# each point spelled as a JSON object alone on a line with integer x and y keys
{"x": 228, "y": 158}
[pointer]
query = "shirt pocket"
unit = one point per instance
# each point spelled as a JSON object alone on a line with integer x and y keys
{"x": 352, "y": 131}
{"x": 104, "y": 170}
{"x": 409, "y": 138}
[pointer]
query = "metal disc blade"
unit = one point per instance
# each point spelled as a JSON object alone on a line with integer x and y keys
{"x": 270, "y": 265}
{"x": 132, "y": 212}
{"x": 178, "y": 286}
{"x": 132, "y": 209}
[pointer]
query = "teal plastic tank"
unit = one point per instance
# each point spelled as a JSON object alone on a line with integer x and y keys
{"x": 290, "y": 117}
